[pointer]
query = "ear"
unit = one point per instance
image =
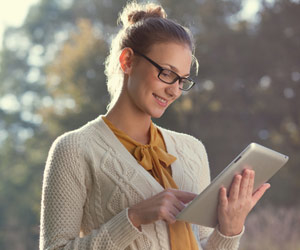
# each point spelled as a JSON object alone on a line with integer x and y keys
{"x": 126, "y": 60}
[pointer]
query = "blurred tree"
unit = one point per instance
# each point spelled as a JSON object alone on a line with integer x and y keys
{"x": 76, "y": 80}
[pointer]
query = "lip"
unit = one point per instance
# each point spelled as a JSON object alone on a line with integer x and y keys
{"x": 160, "y": 101}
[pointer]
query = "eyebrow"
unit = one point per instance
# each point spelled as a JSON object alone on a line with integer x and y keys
{"x": 175, "y": 69}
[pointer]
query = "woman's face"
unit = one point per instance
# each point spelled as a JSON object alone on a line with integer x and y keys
{"x": 147, "y": 93}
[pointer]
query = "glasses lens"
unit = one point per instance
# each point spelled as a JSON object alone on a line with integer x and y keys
{"x": 186, "y": 84}
{"x": 167, "y": 76}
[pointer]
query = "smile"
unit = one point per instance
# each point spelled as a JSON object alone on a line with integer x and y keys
{"x": 161, "y": 101}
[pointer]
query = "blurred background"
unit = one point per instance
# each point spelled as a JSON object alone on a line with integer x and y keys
{"x": 248, "y": 90}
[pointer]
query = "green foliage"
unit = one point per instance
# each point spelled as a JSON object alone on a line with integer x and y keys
{"x": 76, "y": 81}
{"x": 248, "y": 87}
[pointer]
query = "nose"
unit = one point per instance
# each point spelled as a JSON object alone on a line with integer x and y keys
{"x": 173, "y": 90}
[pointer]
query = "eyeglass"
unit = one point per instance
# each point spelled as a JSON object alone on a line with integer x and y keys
{"x": 168, "y": 76}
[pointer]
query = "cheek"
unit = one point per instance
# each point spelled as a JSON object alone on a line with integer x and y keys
{"x": 154, "y": 83}
{"x": 144, "y": 82}
{"x": 149, "y": 84}
{"x": 134, "y": 81}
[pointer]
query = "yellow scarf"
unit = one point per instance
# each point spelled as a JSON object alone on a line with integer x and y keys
{"x": 155, "y": 159}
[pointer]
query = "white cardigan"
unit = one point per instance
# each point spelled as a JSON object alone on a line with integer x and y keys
{"x": 91, "y": 179}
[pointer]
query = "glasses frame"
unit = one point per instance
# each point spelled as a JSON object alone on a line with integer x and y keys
{"x": 161, "y": 69}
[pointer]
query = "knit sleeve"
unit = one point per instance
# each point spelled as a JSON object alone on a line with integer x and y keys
{"x": 212, "y": 239}
{"x": 63, "y": 199}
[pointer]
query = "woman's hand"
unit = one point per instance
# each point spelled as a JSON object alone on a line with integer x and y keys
{"x": 234, "y": 207}
{"x": 163, "y": 206}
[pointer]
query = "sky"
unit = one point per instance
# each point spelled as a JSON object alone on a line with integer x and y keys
{"x": 13, "y": 12}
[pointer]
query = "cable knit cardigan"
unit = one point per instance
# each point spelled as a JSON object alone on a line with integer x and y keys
{"x": 90, "y": 180}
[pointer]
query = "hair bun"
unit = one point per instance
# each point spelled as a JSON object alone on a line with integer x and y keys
{"x": 134, "y": 12}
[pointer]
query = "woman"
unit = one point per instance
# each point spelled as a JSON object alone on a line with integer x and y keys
{"x": 119, "y": 181}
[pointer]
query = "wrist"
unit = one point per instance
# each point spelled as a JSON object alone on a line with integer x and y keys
{"x": 230, "y": 232}
{"x": 134, "y": 218}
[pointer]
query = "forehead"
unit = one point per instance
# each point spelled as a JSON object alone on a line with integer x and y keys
{"x": 176, "y": 55}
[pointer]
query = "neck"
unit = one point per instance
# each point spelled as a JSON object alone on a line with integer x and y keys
{"x": 133, "y": 122}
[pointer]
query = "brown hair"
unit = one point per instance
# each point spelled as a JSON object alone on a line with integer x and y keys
{"x": 143, "y": 26}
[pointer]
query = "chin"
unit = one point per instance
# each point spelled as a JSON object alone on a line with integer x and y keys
{"x": 157, "y": 114}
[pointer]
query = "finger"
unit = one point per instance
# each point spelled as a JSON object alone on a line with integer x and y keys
{"x": 171, "y": 219}
{"x": 259, "y": 193}
{"x": 178, "y": 205}
{"x": 173, "y": 210}
{"x": 234, "y": 189}
{"x": 244, "y": 184}
{"x": 166, "y": 214}
{"x": 169, "y": 200}
{"x": 223, "y": 200}
{"x": 251, "y": 183}
{"x": 170, "y": 209}
{"x": 183, "y": 196}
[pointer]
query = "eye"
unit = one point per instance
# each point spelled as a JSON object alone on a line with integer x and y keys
{"x": 167, "y": 73}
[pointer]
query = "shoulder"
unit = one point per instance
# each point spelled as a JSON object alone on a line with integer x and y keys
{"x": 74, "y": 143}
{"x": 68, "y": 158}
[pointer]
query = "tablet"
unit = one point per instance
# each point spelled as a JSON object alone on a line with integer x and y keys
{"x": 264, "y": 161}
